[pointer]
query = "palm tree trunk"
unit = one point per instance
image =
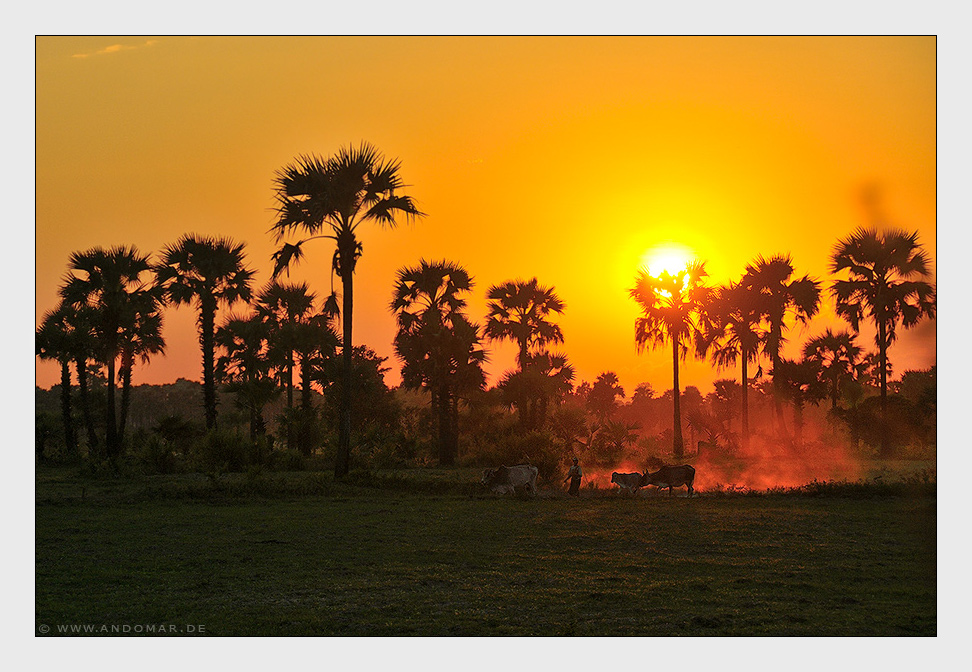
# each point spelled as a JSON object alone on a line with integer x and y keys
{"x": 678, "y": 447}
{"x": 80, "y": 367}
{"x": 208, "y": 342}
{"x": 444, "y": 406}
{"x": 798, "y": 423}
{"x": 883, "y": 371}
{"x": 745, "y": 400}
{"x": 342, "y": 463}
{"x": 304, "y": 433}
{"x": 111, "y": 429}
{"x": 128, "y": 361}
{"x": 70, "y": 440}
{"x": 777, "y": 402}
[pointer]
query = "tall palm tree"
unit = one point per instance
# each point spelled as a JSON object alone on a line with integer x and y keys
{"x": 246, "y": 366}
{"x": 110, "y": 285}
{"x": 141, "y": 339}
{"x": 885, "y": 285}
{"x": 782, "y": 295}
{"x": 547, "y": 376}
{"x": 438, "y": 345}
{"x": 731, "y": 330}
{"x": 330, "y": 198}
{"x": 838, "y": 358}
{"x": 672, "y": 306}
{"x": 800, "y": 382}
{"x": 283, "y": 307}
{"x": 53, "y": 342}
{"x": 519, "y": 311}
{"x": 206, "y": 272}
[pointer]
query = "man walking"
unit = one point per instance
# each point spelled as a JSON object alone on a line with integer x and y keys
{"x": 574, "y": 476}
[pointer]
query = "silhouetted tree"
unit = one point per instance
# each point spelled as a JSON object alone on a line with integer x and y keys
{"x": 141, "y": 338}
{"x": 885, "y": 286}
{"x": 206, "y": 272}
{"x": 438, "y": 345}
{"x": 246, "y": 366}
{"x": 781, "y": 295}
{"x": 53, "y": 342}
{"x": 799, "y": 381}
{"x": 837, "y": 356}
{"x": 602, "y": 400}
{"x": 110, "y": 285}
{"x": 329, "y": 198}
{"x": 671, "y": 306}
{"x": 547, "y": 377}
{"x": 731, "y": 330}
{"x": 519, "y": 311}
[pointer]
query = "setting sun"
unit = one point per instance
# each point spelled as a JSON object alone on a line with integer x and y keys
{"x": 666, "y": 257}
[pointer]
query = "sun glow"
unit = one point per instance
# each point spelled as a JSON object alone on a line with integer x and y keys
{"x": 666, "y": 257}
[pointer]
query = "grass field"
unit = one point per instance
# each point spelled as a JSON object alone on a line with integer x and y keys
{"x": 428, "y": 554}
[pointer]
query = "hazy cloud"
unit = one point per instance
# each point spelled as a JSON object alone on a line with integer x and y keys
{"x": 115, "y": 48}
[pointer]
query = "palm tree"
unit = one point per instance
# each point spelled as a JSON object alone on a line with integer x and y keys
{"x": 329, "y": 198}
{"x": 781, "y": 295}
{"x": 672, "y": 306}
{"x": 547, "y": 376}
{"x": 246, "y": 366}
{"x": 206, "y": 272}
{"x": 141, "y": 339}
{"x": 885, "y": 285}
{"x": 108, "y": 285}
{"x": 438, "y": 345}
{"x": 731, "y": 330}
{"x": 284, "y": 306}
{"x": 518, "y": 311}
{"x": 799, "y": 381}
{"x": 53, "y": 342}
{"x": 838, "y": 358}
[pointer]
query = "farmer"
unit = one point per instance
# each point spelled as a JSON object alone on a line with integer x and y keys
{"x": 574, "y": 476}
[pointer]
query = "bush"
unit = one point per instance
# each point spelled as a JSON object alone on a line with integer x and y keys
{"x": 157, "y": 456}
{"x": 286, "y": 460}
{"x": 223, "y": 450}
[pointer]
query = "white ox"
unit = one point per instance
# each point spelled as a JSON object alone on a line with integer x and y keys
{"x": 628, "y": 482}
{"x": 504, "y": 480}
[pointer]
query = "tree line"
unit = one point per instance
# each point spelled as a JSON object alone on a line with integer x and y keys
{"x": 283, "y": 339}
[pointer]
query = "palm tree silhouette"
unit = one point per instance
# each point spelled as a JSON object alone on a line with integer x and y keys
{"x": 731, "y": 330}
{"x": 206, "y": 272}
{"x": 110, "y": 284}
{"x": 885, "y": 286}
{"x": 781, "y": 295}
{"x": 142, "y": 338}
{"x": 547, "y": 376}
{"x": 246, "y": 366}
{"x": 518, "y": 311}
{"x": 53, "y": 342}
{"x": 283, "y": 306}
{"x": 438, "y": 345}
{"x": 800, "y": 382}
{"x": 329, "y": 198}
{"x": 672, "y": 306}
{"x": 838, "y": 358}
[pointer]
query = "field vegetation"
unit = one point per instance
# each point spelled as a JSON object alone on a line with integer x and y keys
{"x": 427, "y": 552}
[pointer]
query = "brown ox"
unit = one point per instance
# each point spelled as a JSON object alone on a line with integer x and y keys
{"x": 671, "y": 477}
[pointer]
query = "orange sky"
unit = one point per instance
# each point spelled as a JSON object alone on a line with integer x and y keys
{"x": 562, "y": 158}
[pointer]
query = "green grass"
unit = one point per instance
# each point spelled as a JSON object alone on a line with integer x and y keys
{"x": 428, "y": 554}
